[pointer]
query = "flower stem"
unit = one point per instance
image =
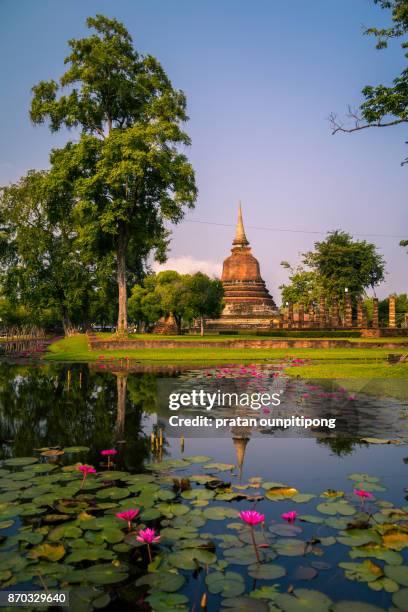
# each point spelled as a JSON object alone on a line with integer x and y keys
{"x": 254, "y": 543}
{"x": 149, "y": 552}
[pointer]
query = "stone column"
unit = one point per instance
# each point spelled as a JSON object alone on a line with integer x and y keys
{"x": 301, "y": 315}
{"x": 391, "y": 311}
{"x": 334, "y": 315}
{"x": 290, "y": 315}
{"x": 375, "y": 313}
{"x": 360, "y": 312}
{"x": 322, "y": 311}
{"x": 364, "y": 319}
{"x": 348, "y": 319}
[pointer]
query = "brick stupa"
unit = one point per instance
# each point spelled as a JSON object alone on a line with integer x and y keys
{"x": 248, "y": 303}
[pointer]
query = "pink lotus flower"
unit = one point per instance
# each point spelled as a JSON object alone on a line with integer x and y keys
{"x": 128, "y": 515}
{"x": 289, "y": 516}
{"x": 252, "y": 517}
{"x": 363, "y": 494}
{"x": 85, "y": 469}
{"x": 148, "y": 536}
{"x": 108, "y": 452}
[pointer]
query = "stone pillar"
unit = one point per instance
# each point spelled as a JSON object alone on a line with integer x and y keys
{"x": 301, "y": 315}
{"x": 391, "y": 311}
{"x": 334, "y": 314}
{"x": 348, "y": 319}
{"x": 290, "y": 315}
{"x": 364, "y": 319}
{"x": 322, "y": 311}
{"x": 360, "y": 312}
{"x": 375, "y": 313}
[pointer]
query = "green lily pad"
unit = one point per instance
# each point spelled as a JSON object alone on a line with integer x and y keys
{"x": 336, "y": 523}
{"x": 361, "y": 477}
{"x": 90, "y": 554}
{"x": 311, "y": 518}
{"x": 52, "y": 552}
{"x": 302, "y": 498}
{"x": 265, "y": 592}
{"x": 376, "y": 552}
{"x": 400, "y": 600}
{"x": 266, "y": 571}
{"x": 113, "y": 493}
{"x": 198, "y": 459}
{"x": 165, "y": 581}
{"x": 76, "y": 449}
{"x": 170, "y": 510}
{"x": 336, "y": 507}
{"x": 228, "y": 584}
{"x": 166, "y": 602}
{"x": 355, "y": 606}
{"x": 359, "y": 537}
{"x": 245, "y": 604}
{"x": 105, "y": 573}
{"x": 383, "y": 584}
{"x": 40, "y": 468}
{"x": 190, "y": 558}
{"x": 64, "y": 531}
{"x": 241, "y": 556}
{"x": 290, "y": 547}
{"x": 286, "y": 530}
{"x": 303, "y": 599}
{"x": 367, "y": 571}
{"x": 281, "y": 493}
{"x": 219, "y": 467}
{"x": 398, "y": 573}
{"x": 219, "y": 513}
{"x": 6, "y": 524}
{"x": 20, "y": 461}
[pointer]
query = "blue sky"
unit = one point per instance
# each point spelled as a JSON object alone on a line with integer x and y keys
{"x": 261, "y": 77}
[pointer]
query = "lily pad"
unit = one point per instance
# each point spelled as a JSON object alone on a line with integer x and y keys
{"x": 367, "y": 571}
{"x": 228, "y": 584}
{"x": 190, "y": 558}
{"x": 377, "y": 552}
{"x": 113, "y": 493}
{"x": 359, "y": 537}
{"x": 90, "y": 554}
{"x": 355, "y": 606}
{"x": 219, "y": 513}
{"x": 302, "y": 498}
{"x": 165, "y": 581}
{"x": 286, "y": 530}
{"x": 400, "y": 599}
{"x": 281, "y": 493}
{"x": 398, "y": 573}
{"x": 311, "y": 518}
{"x": 290, "y": 547}
{"x": 52, "y": 552}
{"x": 219, "y": 467}
{"x": 240, "y": 556}
{"x": 166, "y": 602}
{"x": 266, "y": 571}
{"x": 395, "y": 539}
{"x": 105, "y": 574}
{"x": 245, "y": 604}
{"x": 20, "y": 461}
{"x": 336, "y": 507}
{"x": 304, "y": 599}
{"x": 76, "y": 449}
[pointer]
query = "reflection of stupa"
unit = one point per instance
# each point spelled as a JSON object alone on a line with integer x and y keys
{"x": 240, "y": 439}
{"x": 248, "y": 303}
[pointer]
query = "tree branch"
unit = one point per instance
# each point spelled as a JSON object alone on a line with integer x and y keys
{"x": 337, "y": 125}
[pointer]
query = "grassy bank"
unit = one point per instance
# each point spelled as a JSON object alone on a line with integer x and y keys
{"x": 326, "y": 363}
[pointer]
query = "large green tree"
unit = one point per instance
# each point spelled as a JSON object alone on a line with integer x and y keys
{"x": 205, "y": 297}
{"x": 303, "y": 286}
{"x": 341, "y": 262}
{"x": 129, "y": 173}
{"x": 41, "y": 267}
{"x": 382, "y": 105}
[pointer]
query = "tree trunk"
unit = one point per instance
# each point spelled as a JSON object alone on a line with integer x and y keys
{"x": 121, "y": 278}
{"x": 121, "y": 384}
{"x": 67, "y": 325}
{"x": 202, "y": 326}
{"x": 177, "y": 319}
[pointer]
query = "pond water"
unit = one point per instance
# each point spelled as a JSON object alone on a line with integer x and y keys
{"x": 46, "y": 408}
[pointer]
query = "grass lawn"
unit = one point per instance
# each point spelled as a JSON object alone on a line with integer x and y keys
{"x": 224, "y": 337}
{"x": 327, "y": 363}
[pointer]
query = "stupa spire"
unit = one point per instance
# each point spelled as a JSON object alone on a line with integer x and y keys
{"x": 240, "y": 237}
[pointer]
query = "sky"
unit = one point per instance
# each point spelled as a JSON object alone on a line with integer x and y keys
{"x": 261, "y": 78}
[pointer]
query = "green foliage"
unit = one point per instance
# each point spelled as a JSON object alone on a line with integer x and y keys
{"x": 384, "y": 105}
{"x": 335, "y": 263}
{"x": 341, "y": 262}
{"x": 126, "y": 170}
{"x": 183, "y": 296}
{"x": 303, "y": 287}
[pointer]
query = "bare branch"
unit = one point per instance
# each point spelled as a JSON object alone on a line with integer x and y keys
{"x": 357, "y": 122}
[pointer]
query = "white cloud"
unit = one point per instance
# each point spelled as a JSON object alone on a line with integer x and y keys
{"x": 188, "y": 265}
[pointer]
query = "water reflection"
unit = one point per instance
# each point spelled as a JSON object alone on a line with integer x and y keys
{"x": 73, "y": 404}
